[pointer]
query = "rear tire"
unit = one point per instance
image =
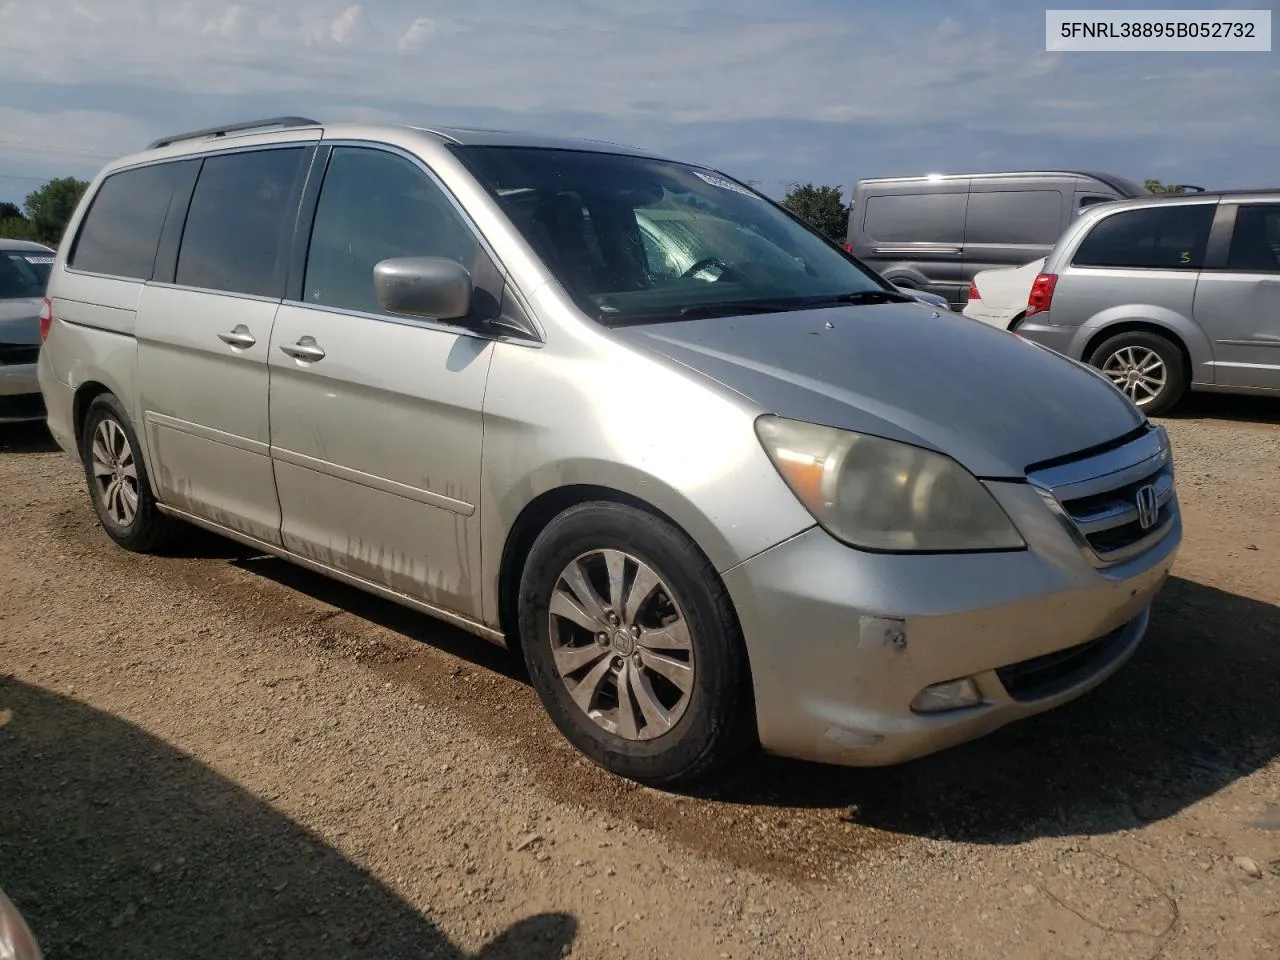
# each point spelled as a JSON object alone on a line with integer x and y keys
{"x": 646, "y": 674}
{"x": 1148, "y": 368}
{"x": 119, "y": 487}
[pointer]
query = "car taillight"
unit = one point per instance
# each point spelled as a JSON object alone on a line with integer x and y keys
{"x": 1041, "y": 298}
{"x": 46, "y": 319}
{"x": 848, "y": 248}
{"x": 973, "y": 292}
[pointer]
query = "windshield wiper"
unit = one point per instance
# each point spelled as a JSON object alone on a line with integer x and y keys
{"x": 704, "y": 311}
{"x": 866, "y": 297}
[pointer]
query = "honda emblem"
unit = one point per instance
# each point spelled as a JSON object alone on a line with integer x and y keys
{"x": 1148, "y": 506}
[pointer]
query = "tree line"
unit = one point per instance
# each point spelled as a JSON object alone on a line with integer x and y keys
{"x": 45, "y": 212}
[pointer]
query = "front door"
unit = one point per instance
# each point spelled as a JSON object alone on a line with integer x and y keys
{"x": 1238, "y": 304}
{"x": 376, "y": 419}
{"x": 203, "y": 338}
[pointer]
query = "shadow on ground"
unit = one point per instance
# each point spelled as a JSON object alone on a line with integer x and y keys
{"x": 1193, "y": 711}
{"x": 26, "y": 438}
{"x": 114, "y": 844}
{"x": 1222, "y": 406}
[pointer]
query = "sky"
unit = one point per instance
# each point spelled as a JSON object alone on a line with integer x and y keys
{"x": 772, "y": 91}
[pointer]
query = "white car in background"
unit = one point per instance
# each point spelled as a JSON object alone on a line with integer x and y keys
{"x": 998, "y": 297}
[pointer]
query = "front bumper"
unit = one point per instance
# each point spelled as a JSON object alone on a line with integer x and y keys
{"x": 841, "y": 642}
{"x": 20, "y": 393}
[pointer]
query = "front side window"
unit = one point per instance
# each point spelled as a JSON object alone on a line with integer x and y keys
{"x": 638, "y": 239}
{"x": 1255, "y": 244}
{"x": 23, "y": 275}
{"x": 238, "y": 213}
{"x": 121, "y": 232}
{"x": 1171, "y": 237}
{"x": 375, "y": 206}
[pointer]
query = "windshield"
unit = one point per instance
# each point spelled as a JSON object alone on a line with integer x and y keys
{"x": 23, "y": 274}
{"x": 638, "y": 239}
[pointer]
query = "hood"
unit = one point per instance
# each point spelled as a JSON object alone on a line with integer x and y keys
{"x": 992, "y": 401}
{"x": 20, "y": 320}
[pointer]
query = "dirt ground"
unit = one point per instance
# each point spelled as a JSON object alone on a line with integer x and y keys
{"x": 214, "y": 754}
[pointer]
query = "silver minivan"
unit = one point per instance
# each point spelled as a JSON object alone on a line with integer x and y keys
{"x": 1166, "y": 295}
{"x": 760, "y": 497}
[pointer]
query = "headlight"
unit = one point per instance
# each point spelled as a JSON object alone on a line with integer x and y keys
{"x": 883, "y": 495}
{"x": 16, "y": 941}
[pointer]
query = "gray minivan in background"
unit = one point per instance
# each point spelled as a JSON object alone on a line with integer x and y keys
{"x": 934, "y": 232}
{"x": 1167, "y": 294}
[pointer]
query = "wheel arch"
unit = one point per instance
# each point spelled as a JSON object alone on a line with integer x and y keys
{"x": 1097, "y": 339}
{"x": 533, "y": 519}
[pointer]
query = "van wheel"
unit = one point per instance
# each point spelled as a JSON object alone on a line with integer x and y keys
{"x": 1145, "y": 367}
{"x": 633, "y": 646}
{"x": 118, "y": 484}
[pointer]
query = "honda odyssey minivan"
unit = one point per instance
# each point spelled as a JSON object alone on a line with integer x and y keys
{"x": 750, "y": 499}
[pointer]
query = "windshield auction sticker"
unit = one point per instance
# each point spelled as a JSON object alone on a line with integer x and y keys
{"x": 1209, "y": 31}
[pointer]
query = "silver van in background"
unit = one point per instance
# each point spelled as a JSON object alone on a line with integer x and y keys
{"x": 1168, "y": 294}
{"x": 935, "y": 232}
{"x": 718, "y": 484}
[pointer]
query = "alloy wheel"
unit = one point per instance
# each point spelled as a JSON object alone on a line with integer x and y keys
{"x": 1138, "y": 372}
{"x": 621, "y": 644}
{"x": 115, "y": 472}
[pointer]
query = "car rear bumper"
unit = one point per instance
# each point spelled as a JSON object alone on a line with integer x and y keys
{"x": 1059, "y": 339}
{"x": 841, "y": 641}
{"x": 20, "y": 399}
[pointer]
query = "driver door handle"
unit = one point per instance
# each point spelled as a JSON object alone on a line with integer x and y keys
{"x": 306, "y": 349}
{"x": 240, "y": 337}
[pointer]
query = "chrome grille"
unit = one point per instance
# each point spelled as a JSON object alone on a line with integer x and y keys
{"x": 1118, "y": 502}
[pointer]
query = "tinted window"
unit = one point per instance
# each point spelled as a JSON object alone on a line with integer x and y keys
{"x": 1089, "y": 201}
{"x": 1169, "y": 238}
{"x": 374, "y": 206}
{"x": 1014, "y": 216}
{"x": 1255, "y": 244}
{"x": 238, "y": 212}
{"x": 23, "y": 274}
{"x": 121, "y": 231}
{"x": 633, "y": 238}
{"x": 916, "y": 217}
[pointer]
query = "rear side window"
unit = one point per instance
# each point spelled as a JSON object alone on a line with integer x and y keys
{"x": 1157, "y": 238}
{"x": 121, "y": 231}
{"x": 916, "y": 217}
{"x": 238, "y": 213}
{"x": 1014, "y": 216}
{"x": 374, "y": 206}
{"x": 1255, "y": 244}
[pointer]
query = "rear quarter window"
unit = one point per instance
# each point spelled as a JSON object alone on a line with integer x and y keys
{"x": 1014, "y": 217}
{"x": 121, "y": 231}
{"x": 1155, "y": 238}
{"x": 915, "y": 217}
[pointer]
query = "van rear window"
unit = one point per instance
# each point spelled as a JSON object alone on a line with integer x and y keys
{"x": 916, "y": 217}
{"x": 121, "y": 232}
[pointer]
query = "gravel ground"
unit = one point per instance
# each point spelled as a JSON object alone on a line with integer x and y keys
{"x": 214, "y": 754}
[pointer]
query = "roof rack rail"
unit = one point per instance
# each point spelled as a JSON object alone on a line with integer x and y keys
{"x": 234, "y": 128}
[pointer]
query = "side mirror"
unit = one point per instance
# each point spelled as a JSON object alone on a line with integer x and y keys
{"x": 434, "y": 288}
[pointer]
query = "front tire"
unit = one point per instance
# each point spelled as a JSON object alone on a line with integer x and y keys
{"x": 1145, "y": 367}
{"x": 119, "y": 487}
{"x": 633, "y": 647}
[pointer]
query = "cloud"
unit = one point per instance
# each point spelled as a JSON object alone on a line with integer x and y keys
{"x": 419, "y": 32}
{"x": 875, "y": 81}
{"x": 344, "y": 25}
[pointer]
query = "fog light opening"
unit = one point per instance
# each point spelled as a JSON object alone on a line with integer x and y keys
{"x": 943, "y": 697}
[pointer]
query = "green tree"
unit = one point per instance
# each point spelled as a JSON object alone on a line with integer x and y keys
{"x": 1155, "y": 186}
{"x": 50, "y": 207}
{"x": 822, "y": 208}
{"x": 13, "y": 225}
